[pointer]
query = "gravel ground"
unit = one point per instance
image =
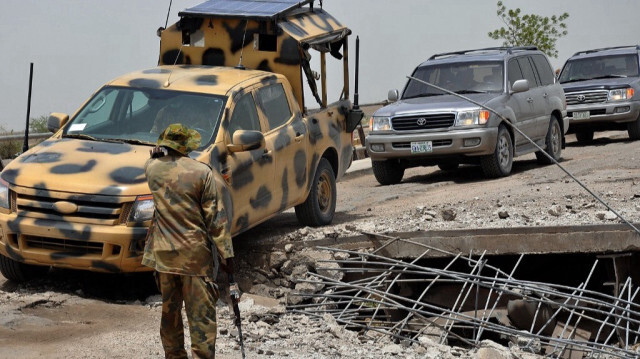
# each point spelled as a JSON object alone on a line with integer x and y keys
{"x": 87, "y": 315}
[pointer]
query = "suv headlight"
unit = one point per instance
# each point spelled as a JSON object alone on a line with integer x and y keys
{"x": 620, "y": 94}
{"x": 4, "y": 195}
{"x": 380, "y": 123}
{"x": 473, "y": 117}
{"x": 142, "y": 209}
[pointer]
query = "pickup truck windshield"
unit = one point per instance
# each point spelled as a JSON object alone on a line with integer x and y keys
{"x": 463, "y": 77}
{"x": 139, "y": 115}
{"x": 600, "y": 67}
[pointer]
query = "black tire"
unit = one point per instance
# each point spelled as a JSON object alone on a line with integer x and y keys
{"x": 387, "y": 172}
{"x": 584, "y": 136}
{"x": 448, "y": 166}
{"x": 20, "y": 272}
{"x": 499, "y": 163}
{"x": 633, "y": 128}
{"x": 319, "y": 207}
{"x": 553, "y": 143}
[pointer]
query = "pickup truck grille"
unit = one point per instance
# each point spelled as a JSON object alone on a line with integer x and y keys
{"x": 423, "y": 122}
{"x": 582, "y": 97}
{"x": 96, "y": 210}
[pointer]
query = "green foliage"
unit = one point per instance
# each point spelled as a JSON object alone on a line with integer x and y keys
{"x": 530, "y": 29}
{"x": 38, "y": 125}
{"x": 9, "y": 149}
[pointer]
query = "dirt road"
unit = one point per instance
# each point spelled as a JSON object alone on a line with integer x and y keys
{"x": 86, "y": 315}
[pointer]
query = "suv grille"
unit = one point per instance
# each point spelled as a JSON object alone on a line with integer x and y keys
{"x": 577, "y": 98}
{"x": 423, "y": 122}
{"x": 93, "y": 210}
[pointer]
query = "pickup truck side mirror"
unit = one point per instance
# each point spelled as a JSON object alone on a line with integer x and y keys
{"x": 520, "y": 86}
{"x": 393, "y": 95}
{"x": 244, "y": 140}
{"x": 56, "y": 121}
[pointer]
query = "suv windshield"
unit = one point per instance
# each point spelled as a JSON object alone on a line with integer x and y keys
{"x": 140, "y": 115}
{"x": 600, "y": 67}
{"x": 461, "y": 77}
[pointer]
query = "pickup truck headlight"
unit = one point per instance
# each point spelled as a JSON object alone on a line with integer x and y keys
{"x": 4, "y": 195}
{"x": 380, "y": 123}
{"x": 473, "y": 117}
{"x": 142, "y": 209}
{"x": 620, "y": 94}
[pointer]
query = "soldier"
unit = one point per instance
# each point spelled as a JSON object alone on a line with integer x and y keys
{"x": 188, "y": 215}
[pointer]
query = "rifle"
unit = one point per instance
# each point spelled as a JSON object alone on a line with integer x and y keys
{"x": 234, "y": 294}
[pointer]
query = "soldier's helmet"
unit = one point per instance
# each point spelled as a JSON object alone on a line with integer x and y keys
{"x": 180, "y": 138}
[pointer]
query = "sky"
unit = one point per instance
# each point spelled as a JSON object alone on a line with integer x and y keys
{"x": 78, "y": 45}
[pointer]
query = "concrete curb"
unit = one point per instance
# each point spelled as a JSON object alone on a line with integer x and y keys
{"x": 358, "y": 168}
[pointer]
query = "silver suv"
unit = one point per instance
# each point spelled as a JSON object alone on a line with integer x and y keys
{"x": 603, "y": 91}
{"x": 427, "y": 126}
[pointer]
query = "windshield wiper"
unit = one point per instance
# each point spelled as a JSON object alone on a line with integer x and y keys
{"x": 132, "y": 141}
{"x": 610, "y": 77}
{"x": 469, "y": 91}
{"x": 80, "y": 136}
{"x": 423, "y": 95}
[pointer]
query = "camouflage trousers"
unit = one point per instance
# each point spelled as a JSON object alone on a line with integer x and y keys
{"x": 199, "y": 295}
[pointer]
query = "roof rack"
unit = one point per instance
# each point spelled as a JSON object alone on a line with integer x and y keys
{"x": 606, "y": 48}
{"x": 509, "y": 50}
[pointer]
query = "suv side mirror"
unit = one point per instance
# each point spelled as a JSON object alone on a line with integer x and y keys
{"x": 245, "y": 140}
{"x": 520, "y": 86}
{"x": 56, "y": 121}
{"x": 393, "y": 95}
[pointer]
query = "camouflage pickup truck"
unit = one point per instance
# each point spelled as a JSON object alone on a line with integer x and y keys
{"x": 80, "y": 199}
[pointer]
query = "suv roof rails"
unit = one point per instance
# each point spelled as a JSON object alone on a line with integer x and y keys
{"x": 637, "y": 47}
{"x": 509, "y": 50}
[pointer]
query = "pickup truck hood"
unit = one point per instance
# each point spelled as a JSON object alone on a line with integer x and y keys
{"x": 599, "y": 84}
{"x": 81, "y": 166}
{"x": 444, "y": 103}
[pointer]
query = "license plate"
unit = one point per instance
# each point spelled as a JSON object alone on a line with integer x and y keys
{"x": 421, "y": 147}
{"x": 581, "y": 115}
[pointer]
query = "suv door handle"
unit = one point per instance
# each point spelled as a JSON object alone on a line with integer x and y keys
{"x": 266, "y": 154}
{"x": 529, "y": 99}
{"x": 545, "y": 95}
{"x": 299, "y": 137}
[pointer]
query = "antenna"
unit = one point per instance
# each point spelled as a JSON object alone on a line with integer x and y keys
{"x": 25, "y": 146}
{"x": 166, "y": 22}
{"x": 166, "y": 84}
{"x": 240, "y": 66}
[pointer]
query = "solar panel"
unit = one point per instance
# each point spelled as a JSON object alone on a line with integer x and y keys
{"x": 268, "y": 9}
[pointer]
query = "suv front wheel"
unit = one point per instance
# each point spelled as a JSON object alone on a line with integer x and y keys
{"x": 500, "y": 162}
{"x": 387, "y": 172}
{"x": 633, "y": 128}
{"x": 553, "y": 143}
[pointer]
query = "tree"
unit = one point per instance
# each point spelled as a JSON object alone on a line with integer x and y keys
{"x": 530, "y": 29}
{"x": 38, "y": 125}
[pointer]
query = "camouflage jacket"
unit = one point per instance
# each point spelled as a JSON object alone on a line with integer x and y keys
{"x": 188, "y": 214}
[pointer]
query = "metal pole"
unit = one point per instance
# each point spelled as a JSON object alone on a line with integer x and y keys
{"x": 25, "y": 145}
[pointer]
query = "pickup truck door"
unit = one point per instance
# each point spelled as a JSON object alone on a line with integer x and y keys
{"x": 288, "y": 135}
{"x": 249, "y": 174}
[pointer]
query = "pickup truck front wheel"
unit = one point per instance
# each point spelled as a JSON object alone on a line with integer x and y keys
{"x": 387, "y": 172}
{"x": 500, "y": 162}
{"x": 320, "y": 205}
{"x": 20, "y": 272}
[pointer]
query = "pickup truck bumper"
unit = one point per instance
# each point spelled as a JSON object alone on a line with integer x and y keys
{"x": 617, "y": 112}
{"x": 468, "y": 142}
{"x": 72, "y": 245}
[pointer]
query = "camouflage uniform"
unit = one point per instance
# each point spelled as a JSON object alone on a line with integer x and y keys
{"x": 188, "y": 213}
